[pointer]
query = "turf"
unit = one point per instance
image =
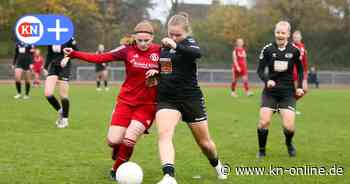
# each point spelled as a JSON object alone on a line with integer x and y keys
{"x": 33, "y": 151}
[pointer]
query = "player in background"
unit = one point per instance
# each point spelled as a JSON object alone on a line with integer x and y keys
{"x": 101, "y": 71}
{"x": 37, "y": 67}
{"x": 239, "y": 68}
{"x": 136, "y": 103}
{"x": 180, "y": 97}
{"x": 59, "y": 71}
{"x": 279, "y": 92}
{"x": 297, "y": 42}
{"x": 22, "y": 63}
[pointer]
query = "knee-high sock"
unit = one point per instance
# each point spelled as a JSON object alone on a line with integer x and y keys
{"x": 18, "y": 87}
{"x": 289, "y": 136}
{"x": 106, "y": 83}
{"x": 262, "y": 137}
{"x": 98, "y": 84}
{"x": 65, "y": 107}
{"x": 27, "y": 85}
{"x": 246, "y": 85}
{"x": 233, "y": 85}
{"x": 54, "y": 102}
{"x": 125, "y": 151}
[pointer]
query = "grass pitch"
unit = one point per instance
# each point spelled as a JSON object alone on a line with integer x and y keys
{"x": 34, "y": 151}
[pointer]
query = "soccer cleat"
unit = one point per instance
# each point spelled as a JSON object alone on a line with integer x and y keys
{"x": 98, "y": 89}
{"x": 18, "y": 96}
{"x": 249, "y": 93}
{"x": 291, "y": 150}
{"x": 106, "y": 89}
{"x": 261, "y": 154}
{"x": 221, "y": 171}
{"x": 167, "y": 179}
{"x": 63, "y": 123}
{"x": 297, "y": 113}
{"x": 26, "y": 97}
{"x": 113, "y": 174}
{"x": 60, "y": 116}
{"x": 234, "y": 94}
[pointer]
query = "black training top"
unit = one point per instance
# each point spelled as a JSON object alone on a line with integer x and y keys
{"x": 23, "y": 54}
{"x": 280, "y": 64}
{"x": 55, "y": 52}
{"x": 178, "y": 71}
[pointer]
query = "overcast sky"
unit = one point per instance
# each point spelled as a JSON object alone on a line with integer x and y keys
{"x": 161, "y": 8}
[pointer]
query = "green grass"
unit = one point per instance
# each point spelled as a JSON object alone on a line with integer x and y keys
{"x": 33, "y": 151}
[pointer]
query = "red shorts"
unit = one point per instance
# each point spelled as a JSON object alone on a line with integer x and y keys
{"x": 123, "y": 114}
{"x": 243, "y": 72}
{"x": 37, "y": 71}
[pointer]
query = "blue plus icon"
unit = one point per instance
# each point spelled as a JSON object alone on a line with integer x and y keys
{"x": 58, "y": 29}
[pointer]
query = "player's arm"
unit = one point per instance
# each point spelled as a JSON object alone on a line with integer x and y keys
{"x": 305, "y": 64}
{"x": 48, "y": 57}
{"x": 15, "y": 57}
{"x": 234, "y": 58}
{"x": 190, "y": 48}
{"x": 262, "y": 65}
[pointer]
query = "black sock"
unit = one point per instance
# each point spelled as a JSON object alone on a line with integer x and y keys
{"x": 98, "y": 84}
{"x": 65, "y": 107}
{"x": 214, "y": 162}
{"x": 18, "y": 87}
{"x": 106, "y": 83}
{"x": 54, "y": 102}
{"x": 169, "y": 169}
{"x": 27, "y": 88}
{"x": 262, "y": 137}
{"x": 289, "y": 136}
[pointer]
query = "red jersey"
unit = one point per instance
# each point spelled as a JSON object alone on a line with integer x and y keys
{"x": 241, "y": 56}
{"x": 38, "y": 63}
{"x": 134, "y": 90}
{"x": 304, "y": 62}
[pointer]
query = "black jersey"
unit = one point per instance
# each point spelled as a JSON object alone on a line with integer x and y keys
{"x": 55, "y": 53}
{"x": 23, "y": 54}
{"x": 280, "y": 64}
{"x": 178, "y": 71}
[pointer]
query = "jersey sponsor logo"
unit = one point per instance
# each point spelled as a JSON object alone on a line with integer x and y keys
{"x": 166, "y": 66}
{"x": 274, "y": 55}
{"x": 154, "y": 57}
{"x": 56, "y": 48}
{"x": 288, "y": 55}
{"x": 280, "y": 66}
{"x": 22, "y": 50}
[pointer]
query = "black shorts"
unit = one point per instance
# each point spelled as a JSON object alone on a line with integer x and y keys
{"x": 278, "y": 102}
{"x": 62, "y": 73}
{"x": 23, "y": 65}
{"x": 192, "y": 110}
{"x": 100, "y": 67}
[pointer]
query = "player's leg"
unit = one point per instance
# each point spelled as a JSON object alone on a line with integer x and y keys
{"x": 201, "y": 134}
{"x": 115, "y": 136}
{"x": 18, "y": 77}
{"x": 235, "y": 77}
{"x": 64, "y": 92}
{"x": 166, "y": 121}
{"x": 98, "y": 81}
{"x": 287, "y": 112}
{"x": 27, "y": 79}
{"x": 105, "y": 79}
{"x": 246, "y": 84}
{"x": 50, "y": 85}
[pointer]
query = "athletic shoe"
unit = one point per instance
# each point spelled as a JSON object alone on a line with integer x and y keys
{"x": 113, "y": 175}
{"x": 98, "y": 89}
{"x": 234, "y": 94}
{"x": 222, "y": 171}
{"x": 26, "y": 97}
{"x": 297, "y": 113}
{"x": 249, "y": 93}
{"x": 291, "y": 150}
{"x": 261, "y": 154}
{"x": 106, "y": 89}
{"x": 167, "y": 179}
{"x": 63, "y": 123}
{"x": 60, "y": 116}
{"x": 18, "y": 96}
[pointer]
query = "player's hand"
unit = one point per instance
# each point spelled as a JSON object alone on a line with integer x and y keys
{"x": 31, "y": 66}
{"x": 305, "y": 86}
{"x": 67, "y": 51}
{"x": 167, "y": 42}
{"x": 299, "y": 92}
{"x": 151, "y": 73}
{"x": 238, "y": 69}
{"x": 270, "y": 84}
{"x": 64, "y": 61}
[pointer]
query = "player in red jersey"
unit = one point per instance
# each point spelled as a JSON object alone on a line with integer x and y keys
{"x": 239, "y": 67}
{"x": 37, "y": 66}
{"x": 136, "y": 103}
{"x": 297, "y": 42}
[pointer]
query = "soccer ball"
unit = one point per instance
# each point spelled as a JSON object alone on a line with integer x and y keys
{"x": 129, "y": 173}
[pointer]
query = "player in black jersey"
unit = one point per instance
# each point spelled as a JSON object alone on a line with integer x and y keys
{"x": 58, "y": 74}
{"x": 276, "y": 64}
{"x": 22, "y": 63}
{"x": 101, "y": 71}
{"x": 179, "y": 96}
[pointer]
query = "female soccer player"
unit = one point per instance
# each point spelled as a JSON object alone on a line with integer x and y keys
{"x": 101, "y": 71}
{"x": 37, "y": 66}
{"x": 239, "y": 68}
{"x": 58, "y": 74}
{"x": 179, "y": 96}
{"x": 136, "y": 103}
{"x": 22, "y": 63}
{"x": 279, "y": 57}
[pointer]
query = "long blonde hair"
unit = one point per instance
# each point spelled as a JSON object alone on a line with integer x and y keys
{"x": 182, "y": 19}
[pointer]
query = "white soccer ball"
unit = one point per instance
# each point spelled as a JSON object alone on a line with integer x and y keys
{"x": 129, "y": 173}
